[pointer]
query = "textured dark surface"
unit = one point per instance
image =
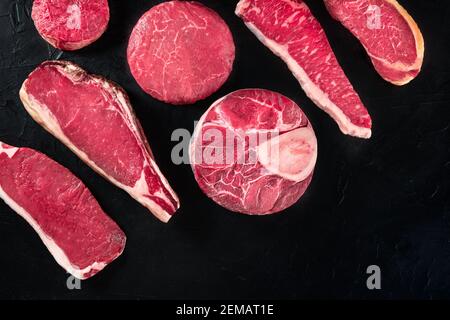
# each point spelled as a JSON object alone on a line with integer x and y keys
{"x": 384, "y": 201}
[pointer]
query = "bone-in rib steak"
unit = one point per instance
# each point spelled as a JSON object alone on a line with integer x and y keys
{"x": 70, "y": 222}
{"x": 389, "y": 34}
{"x": 288, "y": 28}
{"x": 94, "y": 118}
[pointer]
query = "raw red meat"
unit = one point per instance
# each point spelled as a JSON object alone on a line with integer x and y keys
{"x": 94, "y": 118}
{"x": 288, "y": 28}
{"x": 389, "y": 34}
{"x": 70, "y": 24}
{"x": 254, "y": 152}
{"x": 181, "y": 52}
{"x": 70, "y": 222}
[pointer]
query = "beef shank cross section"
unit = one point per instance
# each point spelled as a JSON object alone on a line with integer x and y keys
{"x": 254, "y": 152}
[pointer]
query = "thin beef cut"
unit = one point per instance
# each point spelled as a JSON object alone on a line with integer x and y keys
{"x": 181, "y": 52}
{"x": 70, "y": 24}
{"x": 59, "y": 207}
{"x": 94, "y": 118}
{"x": 254, "y": 152}
{"x": 288, "y": 28}
{"x": 389, "y": 34}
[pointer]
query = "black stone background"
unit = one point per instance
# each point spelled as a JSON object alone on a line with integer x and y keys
{"x": 384, "y": 201}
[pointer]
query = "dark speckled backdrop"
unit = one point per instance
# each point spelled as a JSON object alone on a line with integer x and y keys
{"x": 384, "y": 201}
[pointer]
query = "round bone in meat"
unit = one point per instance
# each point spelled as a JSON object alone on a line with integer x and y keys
{"x": 254, "y": 152}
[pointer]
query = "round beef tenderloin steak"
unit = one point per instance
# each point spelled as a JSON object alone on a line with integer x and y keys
{"x": 70, "y": 24}
{"x": 254, "y": 152}
{"x": 181, "y": 52}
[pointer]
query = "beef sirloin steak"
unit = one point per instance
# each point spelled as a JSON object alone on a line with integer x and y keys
{"x": 254, "y": 152}
{"x": 288, "y": 29}
{"x": 70, "y": 222}
{"x": 181, "y": 52}
{"x": 94, "y": 118}
{"x": 389, "y": 34}
{"x": 70, "y": 24}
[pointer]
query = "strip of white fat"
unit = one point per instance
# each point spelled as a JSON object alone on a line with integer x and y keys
{"x": 8, "y": 150}
{"x": 292, "y": 155}
{"x": 42, "y": 115}
{"x": 51, "y": 245}
{"x": 311, "y": 90}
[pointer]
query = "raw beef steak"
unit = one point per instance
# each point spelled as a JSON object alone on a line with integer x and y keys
{"x": 70, "y": 24}
{"x": 288, "y": 28}
{"x": 181, "y": 52}
{"x": 70, "y": 222}
{"x": 254, "y": 152}
{"x": 94, "y": 118}
{"x": 390, "y": 36}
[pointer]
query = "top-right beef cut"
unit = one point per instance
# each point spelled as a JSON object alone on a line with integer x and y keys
{"x": 389, "y": 34}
